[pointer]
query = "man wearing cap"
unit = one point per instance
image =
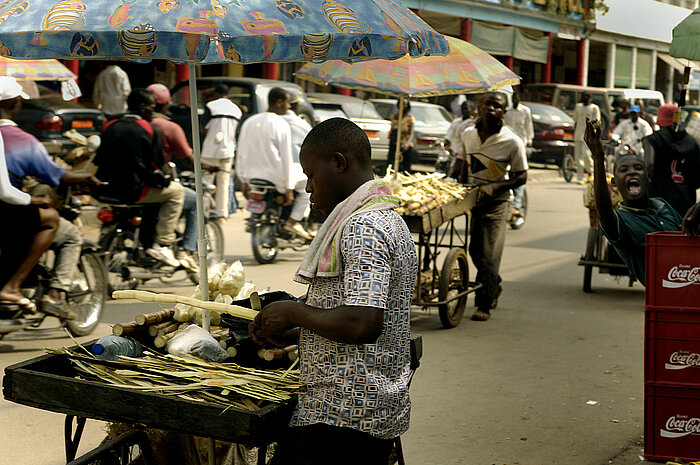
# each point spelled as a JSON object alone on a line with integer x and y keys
{"x": 633, "y": 130}
{"x": 219, "y": 146}
{"x": 26, "y": 156}
{"x": 175, "y": 146}
{"x": 673, "y": 162}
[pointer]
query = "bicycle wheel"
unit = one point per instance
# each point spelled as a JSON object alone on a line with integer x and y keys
{"x": 454, "y": 278}
{"x": 116, "y": 248}
{"x": 215, "y": 242}
{"x": 568, "y": 167}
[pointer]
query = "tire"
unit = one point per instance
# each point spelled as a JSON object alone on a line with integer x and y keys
{"x": 115, "y": 246}
{"x": 215, "y": 242}
{"x": 518, "y": 222}
{"x": 568, "y": 167}
{"x": 88, "y": 294}
{"x": 264, "y": 232}
{"x": 589, "y": 255}
{"x": 454, "y": 278}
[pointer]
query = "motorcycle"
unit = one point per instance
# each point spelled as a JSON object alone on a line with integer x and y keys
{"x": 86, "y": 296}
{"x": 128, "y": 230}
{"x": 266, "y": 222}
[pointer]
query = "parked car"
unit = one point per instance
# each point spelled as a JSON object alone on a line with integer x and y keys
{"x": 49, "y": 116}
{"x": 250, "y": 93}
{"x": 554, "y": 138}
{"x": 361, "y": 112}
{"x": 432, "y": 122}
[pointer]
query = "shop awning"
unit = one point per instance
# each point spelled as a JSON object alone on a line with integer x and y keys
{"x": 510, "y": 41}
{"x": 675, "y": 63}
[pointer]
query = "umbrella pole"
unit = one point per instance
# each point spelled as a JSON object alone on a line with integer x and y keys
{"x": 201, "y": 228}
{"x": 397, "y": 151}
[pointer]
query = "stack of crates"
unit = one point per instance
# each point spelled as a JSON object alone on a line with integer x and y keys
{"x": 672, "y": 348}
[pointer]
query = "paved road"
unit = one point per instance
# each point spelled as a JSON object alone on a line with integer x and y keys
{"x": 513, "y": 390}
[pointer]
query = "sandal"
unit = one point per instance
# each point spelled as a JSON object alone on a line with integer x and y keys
{"x": 23, "y": 304}
{"x": 56, "y": 308}
{"x": 481, "y": 316}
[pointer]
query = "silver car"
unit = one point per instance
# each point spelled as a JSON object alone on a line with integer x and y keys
{"x": 360, "y": 112}
{"x": 432, "y": 122}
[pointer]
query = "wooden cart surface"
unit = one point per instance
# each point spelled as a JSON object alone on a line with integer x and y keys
{"x": 48, "y": 382}
{"x": 445, "y": 286}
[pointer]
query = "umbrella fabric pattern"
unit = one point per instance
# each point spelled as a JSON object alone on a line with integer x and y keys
{"x": 227, "y": 30}
{"x": 35, "y": 70}
{"x": 466, "y": 68}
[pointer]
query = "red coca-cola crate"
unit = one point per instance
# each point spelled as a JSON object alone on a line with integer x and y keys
{"x": 673, "y": 270}
{"x": 671, "y": 423}
{"x": 672, "y": 346}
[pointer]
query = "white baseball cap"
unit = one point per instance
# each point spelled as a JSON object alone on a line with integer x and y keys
{"x": 10, "y": 88}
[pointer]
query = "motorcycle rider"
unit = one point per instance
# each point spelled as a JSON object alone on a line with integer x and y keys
{"x": 26, "y": 156}
{"x": 633, "y": 129}
{"x": 130, "y": 159}
{"x": 265, "y": 152}
{"x": 175, "y": 146}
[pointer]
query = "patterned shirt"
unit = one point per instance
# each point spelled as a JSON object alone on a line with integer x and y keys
{"x": 364, "y": 386}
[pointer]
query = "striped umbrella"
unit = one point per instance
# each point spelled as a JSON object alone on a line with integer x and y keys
{"x": 35, "y": 70}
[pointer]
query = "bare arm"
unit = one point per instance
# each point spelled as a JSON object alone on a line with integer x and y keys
{"x": 648, "y": 157}
{"x": 601, "y": 193}
{"x": 349, "y": 325}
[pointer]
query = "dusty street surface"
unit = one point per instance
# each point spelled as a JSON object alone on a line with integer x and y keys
{"x": 555, "y": 377}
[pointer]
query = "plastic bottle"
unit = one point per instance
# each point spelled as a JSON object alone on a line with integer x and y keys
{"x": 109, "y": 347}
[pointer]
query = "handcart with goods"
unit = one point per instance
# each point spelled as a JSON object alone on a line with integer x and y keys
{"x": 434, "y": 219}
{"x": 599, "y": 252}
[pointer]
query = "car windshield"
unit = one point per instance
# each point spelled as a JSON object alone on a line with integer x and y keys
{"x": 541, "y": 94}
{"x": 548, "y": 113}
{"x": 361, "y": 110}
{"x": 430, "y": 115}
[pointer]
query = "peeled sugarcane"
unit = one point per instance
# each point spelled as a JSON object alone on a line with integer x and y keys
{"x": 145, "y": 296}
{"x": 153, "y": 317}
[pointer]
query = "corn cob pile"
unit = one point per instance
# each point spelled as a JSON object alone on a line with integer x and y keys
{"x": 190, "y": 378}
{"x": 422, "y": 192}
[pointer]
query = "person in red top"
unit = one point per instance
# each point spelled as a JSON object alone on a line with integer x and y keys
{"x": 175, "y": 145}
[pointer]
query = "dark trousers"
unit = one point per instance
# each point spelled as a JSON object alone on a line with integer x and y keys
{"x": 486, "y": 242}
{"x": 322, "y": 444}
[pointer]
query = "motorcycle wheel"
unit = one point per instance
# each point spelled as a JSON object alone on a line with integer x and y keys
{"x": 116, "y": 257}
{"x": 264, "y": 241}
{"x": 215, "y": 242}
{"x": 88, "y": 294}
{"x": 517, "y": 222}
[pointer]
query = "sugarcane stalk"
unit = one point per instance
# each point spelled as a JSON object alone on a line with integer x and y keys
{"x": 145, "y": 296}
{"x": 126, "y": 329}
{"x": 154, "y": 329}
{"x": 154, "y": 317}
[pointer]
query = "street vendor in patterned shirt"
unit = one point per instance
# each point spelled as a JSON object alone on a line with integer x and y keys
{"x": 354, "y": 328}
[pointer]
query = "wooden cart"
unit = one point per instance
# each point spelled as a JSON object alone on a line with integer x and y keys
{"x": 49, "y": 383}
{"x": 444, "y": 286}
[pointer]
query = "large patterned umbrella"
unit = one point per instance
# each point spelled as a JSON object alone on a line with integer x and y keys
{"x": 241, "y": 31}
{"x": 686, "y": 37}
{"x": 466, "y": 68}
{"x": 35, "y": 70}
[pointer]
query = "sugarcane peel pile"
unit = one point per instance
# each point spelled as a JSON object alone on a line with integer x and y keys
{"x": 422, "y": 192}
{"x": 226, "y": 284}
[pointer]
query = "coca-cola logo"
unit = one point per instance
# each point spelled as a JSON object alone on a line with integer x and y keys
{"x": 681, "y": 425}
{"x": 682, "y": 276}
{"x": 682, "y": 359}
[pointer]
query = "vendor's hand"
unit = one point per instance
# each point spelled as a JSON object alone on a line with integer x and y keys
{"x": 42, "y": 201}
{"x": 592, "y": 139}
{"x": 485, "y": 190}
{"x": 209, "y": 167}
{"x": 691, "y": 221}
{"x": 272, "y": 323}
{"x": 288, "y": 198}
{"x": 245, "y": 190}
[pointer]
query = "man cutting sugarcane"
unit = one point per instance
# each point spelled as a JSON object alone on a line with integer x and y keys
{"x": 354, "y": 337}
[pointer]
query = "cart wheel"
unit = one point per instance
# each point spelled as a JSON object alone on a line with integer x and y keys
{"x": 454, "y": 278}
{"x": 568, "y": 167}
{"x": 589, "y": 256}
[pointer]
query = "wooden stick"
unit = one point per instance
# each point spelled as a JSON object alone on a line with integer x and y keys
{"x": 145, "y": 296}
{"x": 154, "y": 317}
{"x": 154, "y": 330}
{"x": 126, "y": 329}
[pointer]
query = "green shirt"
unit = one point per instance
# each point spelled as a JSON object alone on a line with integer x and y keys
{"x": 634, "y": 224}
